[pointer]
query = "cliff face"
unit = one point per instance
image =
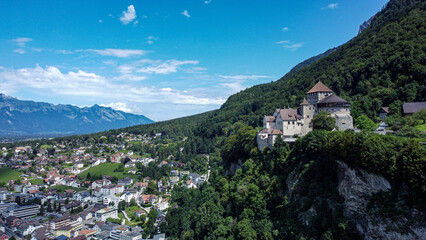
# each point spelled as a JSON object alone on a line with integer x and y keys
{"x": 357, "y": 187}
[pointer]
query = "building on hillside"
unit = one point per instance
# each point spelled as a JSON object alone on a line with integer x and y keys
{"x": 104, "y": 214}
{"x": 412, "y": 107}
{"x": 22, "y": 211}
{"x": 288, "y": 122}
{"x": 57, "y": 223}
{"x": 383, "y": 112}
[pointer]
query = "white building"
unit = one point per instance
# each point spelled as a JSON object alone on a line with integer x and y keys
{"x": 288, "y": 122}
{"x": 105, "y": 213}
{"x": 22, "y": 211}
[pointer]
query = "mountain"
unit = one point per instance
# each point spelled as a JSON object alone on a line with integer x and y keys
{"x": 365, "y": 24}
{"x": 30, "y": 118}
{"x": 313, "y": 59}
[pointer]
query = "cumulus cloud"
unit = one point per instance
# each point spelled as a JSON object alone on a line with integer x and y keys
{"x": 284, "y": 29}
{"x": 185, "y": 13}
{"x": 120, "y": 53}
{"x": 22, "y": 41}
{"x": 129, "y": 15}
{"x": 120, "y": 106}
{"x": 161, "y": 67}
{"x": 85, "y": 84}
{"x": 287, "y": 44}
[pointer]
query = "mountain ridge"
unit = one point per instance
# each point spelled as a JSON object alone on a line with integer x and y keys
{"x": 24, "y": 117}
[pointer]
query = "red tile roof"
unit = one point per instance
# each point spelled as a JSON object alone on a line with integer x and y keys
{"x": 304, "y": 102}
{"x": 319, "y": 87}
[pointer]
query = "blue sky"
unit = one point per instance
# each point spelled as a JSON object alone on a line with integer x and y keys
{"x": 163, "y": 59}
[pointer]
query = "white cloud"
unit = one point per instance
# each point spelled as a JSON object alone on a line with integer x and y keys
{"x": 185, "y": 13}
{"x": 84, "y": 84}
{"x": 19, "y": 50}
{"x": 151, "y": 39}
{"x": 22, "y": 41}
{"x": 37, "y": 49}
{"x": 100, "y": 21}
{"x": 129, "y": 15}
{"x": 234, "y": 86}
{"x": 284, "y": 29}
{"x": 161, "y": 67}
{"x": 290, "y": 45}
{"x": 65, "y": 52}
{"x": 332, "y": 5}
{"x": 207, "y": 1}
{"x": 121, "y": 53}
{"x": 118, "y": 106}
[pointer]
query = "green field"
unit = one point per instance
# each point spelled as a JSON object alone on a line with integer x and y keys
{"x": 106, "y": 169}
{"x": 36, "y": 181}
{"x": 62, "y": 188}
{"x": 7, "y": 174}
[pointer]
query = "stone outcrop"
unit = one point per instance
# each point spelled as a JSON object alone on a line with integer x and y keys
{"x": 356, "y": 187}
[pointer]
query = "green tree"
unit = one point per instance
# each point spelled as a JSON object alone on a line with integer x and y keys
{"x": 364, "y": 123}
{"x": 420, "y": 115}
{"x": 323, "y": 121}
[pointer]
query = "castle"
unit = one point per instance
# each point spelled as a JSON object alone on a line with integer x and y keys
{"x": 289, "y": 122}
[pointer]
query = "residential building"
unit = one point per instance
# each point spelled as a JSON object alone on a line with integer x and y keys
{"x": 65, "y": 230}
{"x": 56, "y": 223}
{"x": 125, "y": 181}
{"x": 131, "y": 236}
{"x": 383, "y": 112}
{"x": 412, "y": 107}
{"x": 105, "y": 213}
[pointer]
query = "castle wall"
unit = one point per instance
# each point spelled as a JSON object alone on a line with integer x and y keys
{"x": 344, "y": 121}
{"x": 262, "y": 142}
{"x": 335, "y": 110}
{"x": 291, "y": 128}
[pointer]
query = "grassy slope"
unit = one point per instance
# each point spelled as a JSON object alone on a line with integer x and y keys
{"x": 7, "y": 174}
{"x": 106, "y": 169}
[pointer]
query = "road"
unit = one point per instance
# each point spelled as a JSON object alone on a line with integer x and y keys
{"x": 125, "y": 215}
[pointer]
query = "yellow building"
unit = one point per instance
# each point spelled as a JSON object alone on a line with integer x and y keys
{"x": 65, "y": 230}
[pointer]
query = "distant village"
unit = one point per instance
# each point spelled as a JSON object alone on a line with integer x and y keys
{"x": 57, "y": 197}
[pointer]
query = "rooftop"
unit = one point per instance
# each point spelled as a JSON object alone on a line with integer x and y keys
{"x": 319, "y": 87}
{"x": 333, "y": 99}
{"x": 413, "y": 107}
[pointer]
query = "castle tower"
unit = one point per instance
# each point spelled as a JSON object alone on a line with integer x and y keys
{"x": 318, "y": 92}
{"x": 307, "y": 111}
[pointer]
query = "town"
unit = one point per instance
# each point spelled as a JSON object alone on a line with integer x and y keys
{"x": 115, "y": 187}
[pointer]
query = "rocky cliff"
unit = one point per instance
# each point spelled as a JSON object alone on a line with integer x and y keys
{"x": 357, "y": 188}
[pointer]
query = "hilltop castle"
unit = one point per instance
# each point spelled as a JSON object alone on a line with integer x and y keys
{"x": 289, "y": 122}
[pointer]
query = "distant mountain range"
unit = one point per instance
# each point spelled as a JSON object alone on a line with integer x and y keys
{"x": 28, "y": 118}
